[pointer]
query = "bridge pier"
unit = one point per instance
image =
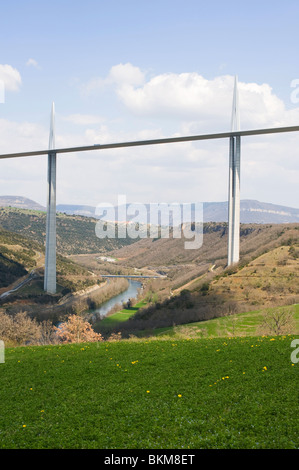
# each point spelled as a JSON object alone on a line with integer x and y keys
{"x": 50, "y": 258}
{"x": 234, "y": 201}
{"x": 233, "y": 254}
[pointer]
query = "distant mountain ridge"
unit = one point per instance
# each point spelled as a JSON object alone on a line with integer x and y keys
{"x": 252, "y": 211}
{"x": 21, "y": 203}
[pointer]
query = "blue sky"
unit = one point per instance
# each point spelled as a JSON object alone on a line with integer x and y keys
{"x": 127, "y": 70}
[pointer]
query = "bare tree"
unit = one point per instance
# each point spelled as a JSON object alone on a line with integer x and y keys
{"x": 278, "y": 321}
{"x": 26, "y": 330}
{"x": 48, "y": 333}
{"x": 19, "y": 329}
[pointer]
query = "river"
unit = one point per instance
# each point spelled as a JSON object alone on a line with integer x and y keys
{"x": 130, "y": 293}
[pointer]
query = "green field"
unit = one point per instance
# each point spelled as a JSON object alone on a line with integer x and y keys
{"x": 241, "y": 324}
{"x": 113, "y": 320}
{"x": 151, "y": 394}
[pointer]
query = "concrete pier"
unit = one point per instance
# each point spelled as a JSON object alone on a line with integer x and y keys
{"x": 50, "y": 258}
{"x": 234, "y": 185}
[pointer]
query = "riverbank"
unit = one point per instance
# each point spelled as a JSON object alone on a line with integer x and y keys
{"x": 72, "y": 303}
{"x": 94, "y": 299}
{"x": 116, "y": 303}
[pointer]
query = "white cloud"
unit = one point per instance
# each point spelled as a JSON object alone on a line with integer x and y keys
{"x": 119, "y": 75}
{"x": 197, "y": 104}
{"x": 24, "y": 176}
{"x": 204, "y": 104}
{"x": 126, "y": 74}
{"x": 32, "y": 63}
{"x": 10, "y": 77}
{"x": 186, "y": 94}
{"x": 185, "y": 172}
{"x": 84, "y": 119}
{"x": 94, "y": 84}
{"x": 22, "y": 136}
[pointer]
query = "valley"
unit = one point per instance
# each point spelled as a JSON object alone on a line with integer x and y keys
{"x": 191, "y": 285}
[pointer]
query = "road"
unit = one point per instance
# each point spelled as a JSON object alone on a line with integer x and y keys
{"x": 25, "y": 281}
{"x": 31, "y": 275}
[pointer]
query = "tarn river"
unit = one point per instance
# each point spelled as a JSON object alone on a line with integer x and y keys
{"x": 130, "y": 293}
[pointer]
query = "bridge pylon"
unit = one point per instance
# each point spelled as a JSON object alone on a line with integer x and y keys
{"x": 233, "y": 254}
{"x": 50, "y": 258}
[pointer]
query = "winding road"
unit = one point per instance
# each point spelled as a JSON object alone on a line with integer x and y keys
{"x": 25, "y": 281}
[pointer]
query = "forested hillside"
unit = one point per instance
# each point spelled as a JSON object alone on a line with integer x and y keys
{"x": 20, "y": 255}
{"x": 75, "y": 234}
{"x": 17, "y": 256}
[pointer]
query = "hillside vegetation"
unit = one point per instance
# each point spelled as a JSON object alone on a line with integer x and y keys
{"x": 254, "y": 323}
{"x": 75, "y": 234}
{"x": 269, "y": 280}
{"x": 182, "y": 266}
{"x": 198, "y": 285}
{"x": 20, "y": 255}
{"x": 254, "y": 239}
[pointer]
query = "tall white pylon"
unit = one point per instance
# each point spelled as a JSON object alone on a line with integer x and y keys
{"x": 50, "y": 258}
{"x": 234, "y": 184}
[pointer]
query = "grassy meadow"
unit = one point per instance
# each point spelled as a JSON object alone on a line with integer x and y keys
{"x": 111, "y": 321}
{"x": 151, "y": 394}
{"x": 241, "y": 324}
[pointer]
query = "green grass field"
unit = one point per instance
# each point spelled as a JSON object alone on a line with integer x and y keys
{"x": 121, "y": 316}
{"x": 151, "y": 394}
{"x": 240, "y": 324}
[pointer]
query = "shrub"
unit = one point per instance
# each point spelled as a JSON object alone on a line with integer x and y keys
{"x": 19, "y": 329}
{"x": 77, "y": 330}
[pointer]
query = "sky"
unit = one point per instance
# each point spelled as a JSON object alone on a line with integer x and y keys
{"x": 123, "y": 70}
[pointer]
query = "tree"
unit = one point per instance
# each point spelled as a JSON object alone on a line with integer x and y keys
{"x": 26, "y": 330}
{"x": 6, "y": 326}
{"x": 77, "y": 330}
{"x": 47, "y": 333}
{"x": 278, "y": 321}
{"x": 19, "y": 329}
